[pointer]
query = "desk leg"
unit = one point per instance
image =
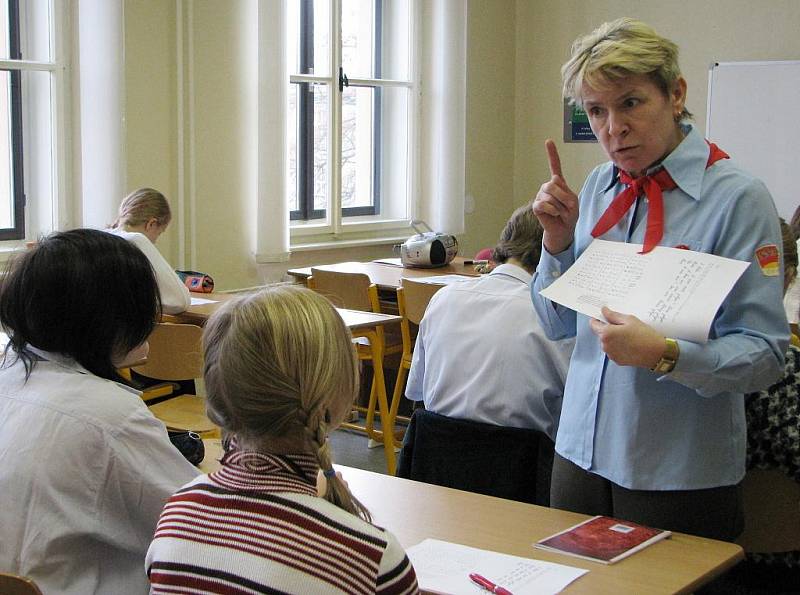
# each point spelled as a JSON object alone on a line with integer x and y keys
{"x": 387, "y": 422}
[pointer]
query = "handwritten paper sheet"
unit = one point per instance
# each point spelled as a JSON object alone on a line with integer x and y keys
{"x": 675, "y": 291}
{"x": 444, "y": 567}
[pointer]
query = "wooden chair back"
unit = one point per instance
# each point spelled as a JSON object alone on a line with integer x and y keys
{"x": 354, "y": 291}
{"x": 771, "y": 512}
{"x": 416, "y": 296}
{"x": 12, "y": 584}
{"x": 176, "y": 352}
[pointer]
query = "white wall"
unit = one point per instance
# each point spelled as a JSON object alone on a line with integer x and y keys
{"x": 708, "y": 31}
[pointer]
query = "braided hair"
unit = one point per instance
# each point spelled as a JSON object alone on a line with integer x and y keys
{"x": 281, "y": 373}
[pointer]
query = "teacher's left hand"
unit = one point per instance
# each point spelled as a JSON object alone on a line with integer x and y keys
{"x": 628, "y": 341}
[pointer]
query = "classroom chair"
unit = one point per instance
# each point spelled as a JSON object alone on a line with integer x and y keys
{"x": 511, "y": 463}
{"x": 355, "y": 291}
{"x": 412, "y": 300}
{"x": 176, "y": 354}
{"x": 13, "y": 584}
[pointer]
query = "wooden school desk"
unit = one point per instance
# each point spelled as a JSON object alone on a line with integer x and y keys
{"x": 361, "y": 324}
{"x": 387, "y": 276}
{"x": 414, "y": 511}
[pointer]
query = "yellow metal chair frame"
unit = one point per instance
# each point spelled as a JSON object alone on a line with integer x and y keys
{"x": 355, "y": 291}
{"x": 412, "y": 300}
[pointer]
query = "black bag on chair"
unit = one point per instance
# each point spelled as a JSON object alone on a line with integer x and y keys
{"x": 190, "y": 444}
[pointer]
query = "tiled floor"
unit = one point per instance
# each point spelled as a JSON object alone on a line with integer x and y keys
{"x": 350, "y": 448}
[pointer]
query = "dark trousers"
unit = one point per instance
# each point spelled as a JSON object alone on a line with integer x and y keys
{"x": 715, "y": 513}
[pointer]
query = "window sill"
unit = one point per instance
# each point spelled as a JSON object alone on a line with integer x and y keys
{"x": 346, "y": 243}
{"x": 331, "y": 244}
{"x": 8, "y": 250}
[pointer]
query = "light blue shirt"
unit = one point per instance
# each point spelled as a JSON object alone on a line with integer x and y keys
{"x": 686, "y": 429}
{"x": 482, "y": 355}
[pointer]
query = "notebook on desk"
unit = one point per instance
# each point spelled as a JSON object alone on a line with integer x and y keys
{"x": 602, "y": 539}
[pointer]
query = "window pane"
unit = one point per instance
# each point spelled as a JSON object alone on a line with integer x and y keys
{"x": 308, "y": 36}
{"x": 375, "y": 40}
{"x": 6, "y": 165}
{"x": 291, "y": 145}
{"x": 375, "y": 150}
{"x": 307, "y": 140}
{"x": 32, "y": 40}
{"x": 321, "y": 123}
{"x": 358, "y": 128}
{"x": 38, "y": 133}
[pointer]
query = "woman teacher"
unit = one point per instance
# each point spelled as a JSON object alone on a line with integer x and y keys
{"x": 653, "y": 428}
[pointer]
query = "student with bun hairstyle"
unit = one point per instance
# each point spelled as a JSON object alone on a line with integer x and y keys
{"x": 85, "y": 468}
{"x": 143, "y": 216}
{"x": 280, "y": 373}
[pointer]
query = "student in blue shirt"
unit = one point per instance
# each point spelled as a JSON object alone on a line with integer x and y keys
{"x": 653, "y": 429}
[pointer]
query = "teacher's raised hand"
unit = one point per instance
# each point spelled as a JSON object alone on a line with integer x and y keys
{"x": 556, "y": 206}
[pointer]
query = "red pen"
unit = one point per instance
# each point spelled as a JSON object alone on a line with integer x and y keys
{"x": 488, "y": 585}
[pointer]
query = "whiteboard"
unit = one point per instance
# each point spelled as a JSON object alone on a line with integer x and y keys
{"x": 752, "y": 116}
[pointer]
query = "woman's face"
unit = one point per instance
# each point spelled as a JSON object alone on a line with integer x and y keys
{"x": 634, "y": 121}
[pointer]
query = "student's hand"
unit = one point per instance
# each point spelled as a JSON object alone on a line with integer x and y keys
{"x": 628, "y": 341}
{"x": 556, "y": 206}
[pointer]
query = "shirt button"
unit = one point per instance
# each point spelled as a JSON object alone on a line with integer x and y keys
{"x": 555, "y": 274}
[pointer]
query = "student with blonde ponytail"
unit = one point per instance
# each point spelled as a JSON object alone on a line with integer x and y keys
{"x": 280, "y": 373}
{"x": 143, "y": 216}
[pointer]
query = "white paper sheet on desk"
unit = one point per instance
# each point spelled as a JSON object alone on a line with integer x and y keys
{"x": 444, "y": 567}
{"x": 675, "y": 291}
{"x": 395, "y": 262}
{"x": 443, "y": 279}
{"x": 201, "y": 301}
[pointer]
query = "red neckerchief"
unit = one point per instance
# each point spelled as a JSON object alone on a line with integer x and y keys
{"x": 651, "y": 186}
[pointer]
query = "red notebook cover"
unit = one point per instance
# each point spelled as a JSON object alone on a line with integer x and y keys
{"x": 602, "y": 539}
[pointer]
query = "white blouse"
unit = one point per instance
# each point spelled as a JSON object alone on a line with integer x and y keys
{"x": 85, "y": 470}
{"x": 175, "y": 296}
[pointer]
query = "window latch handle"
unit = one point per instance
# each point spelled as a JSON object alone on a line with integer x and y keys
{"x": 343, "y": 80}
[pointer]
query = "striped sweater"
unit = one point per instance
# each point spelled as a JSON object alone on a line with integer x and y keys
{"x": 258, "y": 526}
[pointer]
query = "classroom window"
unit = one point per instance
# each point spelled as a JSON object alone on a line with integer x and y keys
{"x": 28, "y": 73}
{"x": 12, "y": 190}
{"x": 350, "y": 111}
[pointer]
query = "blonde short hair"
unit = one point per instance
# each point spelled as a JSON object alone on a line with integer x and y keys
{"x": 281, "y": 364}
{"x": 616, "y": 50}
{"x": 142, "y": 205}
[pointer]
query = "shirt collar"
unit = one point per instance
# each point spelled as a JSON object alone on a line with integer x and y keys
{"x": 69, "y": 363}
{"x": 264, "y": 472}
{"x": 686, "y": 164}
{"x": 512, "y": 270}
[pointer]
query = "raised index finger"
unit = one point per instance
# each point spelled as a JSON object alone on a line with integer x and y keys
{"x": 553, "y": 158}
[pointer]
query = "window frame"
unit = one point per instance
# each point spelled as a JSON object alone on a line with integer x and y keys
{"x": 306, "y": 221}
{"x": 51, "y": 209}
{"x": 17, "y": 232}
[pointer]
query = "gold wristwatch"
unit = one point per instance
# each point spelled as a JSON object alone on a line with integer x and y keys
{"x": 669, "y": 358}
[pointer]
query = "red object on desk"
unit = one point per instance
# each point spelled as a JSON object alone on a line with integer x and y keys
{"x": 488, "y": 585}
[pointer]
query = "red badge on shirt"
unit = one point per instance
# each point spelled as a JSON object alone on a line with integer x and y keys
{"x": 769, "y": 260}
{"x": 682, "y": 247}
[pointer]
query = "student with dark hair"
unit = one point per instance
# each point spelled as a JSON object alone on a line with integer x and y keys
{"x": 84, "y": 466}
